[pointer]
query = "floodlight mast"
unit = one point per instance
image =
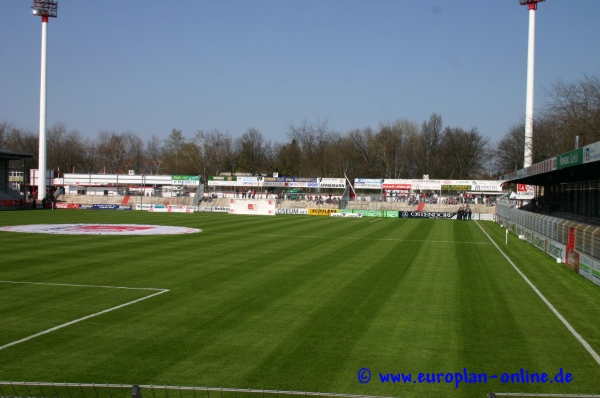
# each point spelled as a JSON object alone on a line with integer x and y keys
{"x": 528, "y": 154}
{"x": 46, "y": 9}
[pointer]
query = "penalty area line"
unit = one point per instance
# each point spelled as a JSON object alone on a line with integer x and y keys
{"x": 585, "y": 344}
{"x": 160, "y": 291}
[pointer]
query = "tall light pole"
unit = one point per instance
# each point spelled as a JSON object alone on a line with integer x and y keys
{"x": 528, "y": 155}
{"x": 45, "y": 9}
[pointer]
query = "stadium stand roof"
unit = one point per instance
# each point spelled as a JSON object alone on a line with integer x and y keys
{"x": 582, "y": 164}
{"x": 6, "y": 155}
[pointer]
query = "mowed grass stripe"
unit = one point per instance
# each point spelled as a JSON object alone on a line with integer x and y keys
{"x": 29, "y": 309}
{"x": 577, "y": 299}
{"x": 289, "y": 313}
{"x": 343, "y": 314}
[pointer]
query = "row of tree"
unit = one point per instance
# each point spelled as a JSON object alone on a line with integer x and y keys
{"x": 399, "y": 149}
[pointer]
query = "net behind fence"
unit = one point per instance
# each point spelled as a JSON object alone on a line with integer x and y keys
{"x": 77, "y": 390}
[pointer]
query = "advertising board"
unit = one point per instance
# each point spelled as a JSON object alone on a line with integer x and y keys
{"x": 292, "y": 211}
{"x": 321, "y": 212}
{"x": 556, "y": 250}
{"x": 260, "y": 207}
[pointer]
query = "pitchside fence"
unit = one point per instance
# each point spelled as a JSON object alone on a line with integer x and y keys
{"x": 524, "y": 394}
{"x": 9, "y": 389}
{"x": 587, "y": 237}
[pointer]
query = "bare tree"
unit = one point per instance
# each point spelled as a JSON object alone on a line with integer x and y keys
{"x": 66, "y": 149}
{"x": 463, "y": 153}
{"x": 251, "y": 151}
{"x": 575, "y": 110}
{"x": 173, "y": 151}
{"x": 111, "y": 153}
{"x": 155, "y": 154}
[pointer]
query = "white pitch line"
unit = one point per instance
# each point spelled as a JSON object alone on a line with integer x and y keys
{"x": 74, "y": 285}
{"x": 347, "y": 237}
{"x": 160, "y": 291}
{"x": 377, "y": 219}
{"x": 585, "y": 344}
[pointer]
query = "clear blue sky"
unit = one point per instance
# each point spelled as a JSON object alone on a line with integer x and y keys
{"x": 150, "y": 66}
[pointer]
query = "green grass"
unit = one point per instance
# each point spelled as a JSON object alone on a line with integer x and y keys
{"x": 290, "y": 303}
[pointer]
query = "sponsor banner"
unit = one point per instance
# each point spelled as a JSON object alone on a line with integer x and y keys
{"x": 569, "y": 159}
{"x": 147, "y": 206}
{"x": 247, "y": 181}
{"x": 539, "y": 241}
{"x": 455, "y": 187}
{"x": 291, "y": 179}
{"x": 223, "y": 183}
{"x": 556, "y": 250}
{"x": 421, "y": 214}
{"x": 222, "y": 178}
{"x": 375, "y": 213}
{"x": 397, "y": 185}
{"x": 591, "y": 153}
{"x": 392, "y": 213}
{"x": 100, "y": 229}
{"x": 585, "y": 269}
{"x": 263, "y": 207}
{"x": 347, "y": 215}
{"x": 111, "y": 207}
{"x": 215, "y": 209}
{"x": 487, "y": 186}
{"x": 528, "y": 235}
{"x": 589, "y": 268}
{"x": 518, "y": 230}
{"x": 185, "y": 180}
{"x": 169, "y": 210}
{"x": 9, "y": 202}
{"x": 363, "y": 213}
{"x": 525, "y": 191}
{"x": 573, "y": 259}
{"x": 345, "y": 211}
{"x": 321, "y": 212}
{"x": 367, "y": 183}
{"x": 456, "y": 182}
{"x": 182, "y": 207}
{"x": 67, "y": 206}
{"x": 292, "y": 211}
{"x": 426, "y": 185}
{"x": 596, "y": 272}
{"x": 299, "y": 184}
{"x": 541, "y": 167}
{"x": 332, "y": 183}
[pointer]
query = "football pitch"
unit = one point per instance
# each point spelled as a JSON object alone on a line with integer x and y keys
{"x": 371, "y": 306}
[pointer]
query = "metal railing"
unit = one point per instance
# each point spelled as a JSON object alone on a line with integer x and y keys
{"x": 540, "y": 395}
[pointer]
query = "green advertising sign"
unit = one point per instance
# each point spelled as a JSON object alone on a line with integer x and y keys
{"x": 392, "y": 213}
{"x": 185, "y": 180}
{"x": 456, "y": 187}
{"x": 222, "y": 178}
{"x": 569, "y": 159}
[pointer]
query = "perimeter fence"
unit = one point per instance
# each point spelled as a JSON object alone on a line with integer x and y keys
{"x": 9, "y": 389}
{"x": 539, "y": 395}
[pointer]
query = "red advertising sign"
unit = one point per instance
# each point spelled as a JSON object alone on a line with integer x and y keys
{"x": 399, "y": 187}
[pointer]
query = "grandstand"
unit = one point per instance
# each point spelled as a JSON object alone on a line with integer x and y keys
{"x": 9, "y": 198}
{"x": 561, "y": 214}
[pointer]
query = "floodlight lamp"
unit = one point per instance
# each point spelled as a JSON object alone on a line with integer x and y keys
{"x": 45, "y": 8}
{"x": 531, "y": 3}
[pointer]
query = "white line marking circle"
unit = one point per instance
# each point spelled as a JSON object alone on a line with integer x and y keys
{"x": 100, "y": 229}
